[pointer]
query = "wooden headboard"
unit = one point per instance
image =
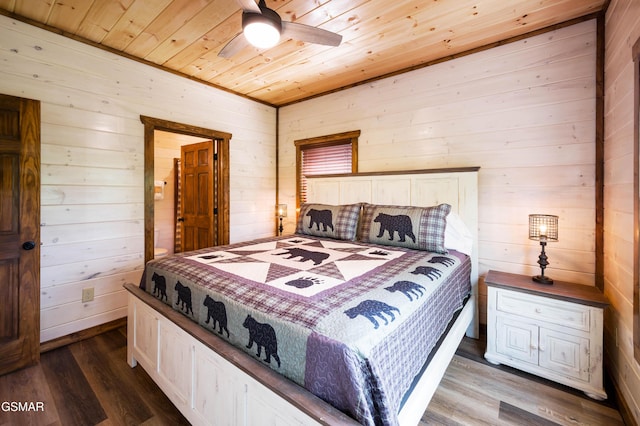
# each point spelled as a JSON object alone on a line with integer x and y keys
{"x": 423, "y": 188}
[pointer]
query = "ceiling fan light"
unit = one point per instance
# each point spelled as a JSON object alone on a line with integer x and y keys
{"x": 261, "y": 30}
{"x": 262, "y": 36}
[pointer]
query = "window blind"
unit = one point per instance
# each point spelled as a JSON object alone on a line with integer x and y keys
{"x": 324, "y": 160}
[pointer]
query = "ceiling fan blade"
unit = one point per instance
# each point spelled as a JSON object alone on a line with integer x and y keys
{"x": 249, "y": 6}
{"x": 310, "y": 34}
{"x": 236, "y": 44}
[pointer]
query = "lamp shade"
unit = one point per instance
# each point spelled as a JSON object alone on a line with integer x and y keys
{"x": 543, "y": 227}
{"x": 281, "y": 210}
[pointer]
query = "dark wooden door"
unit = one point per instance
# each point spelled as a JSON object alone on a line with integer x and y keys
{"x": 198, "y": 196}
{"x": 19, "y": 233}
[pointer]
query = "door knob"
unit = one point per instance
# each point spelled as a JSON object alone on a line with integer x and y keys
{"x": 29, "y": 245}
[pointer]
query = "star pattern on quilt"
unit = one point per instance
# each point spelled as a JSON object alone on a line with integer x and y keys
{"x": 298, "y": 265}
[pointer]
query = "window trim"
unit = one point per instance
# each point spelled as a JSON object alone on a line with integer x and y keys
{"x": 322, "y": 141}
{"x": 636, "y": 203}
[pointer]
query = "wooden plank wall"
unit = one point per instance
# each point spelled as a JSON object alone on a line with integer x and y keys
{"x": 92, "y": 164}
{"x": 524, "y": 112}
{"x": 622, "y": 30}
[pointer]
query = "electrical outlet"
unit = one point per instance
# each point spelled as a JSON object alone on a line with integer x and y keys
{"x": 87, "y": 294}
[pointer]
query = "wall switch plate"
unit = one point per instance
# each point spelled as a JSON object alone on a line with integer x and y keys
{"x": 87, "y": 294}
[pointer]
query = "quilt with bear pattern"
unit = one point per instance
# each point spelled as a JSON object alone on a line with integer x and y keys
{"x": 351, "y": 322}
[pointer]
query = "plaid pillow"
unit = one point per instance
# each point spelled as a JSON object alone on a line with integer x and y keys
{"x": 323, "y": 220}
{"x": 420, "y": 228}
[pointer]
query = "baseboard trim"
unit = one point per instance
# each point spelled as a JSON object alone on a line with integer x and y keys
{"x": 623, "y": 407}
{"x": 82, "y": 335}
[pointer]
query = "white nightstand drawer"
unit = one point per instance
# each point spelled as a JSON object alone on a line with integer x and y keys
{"x": 544, "y": 309}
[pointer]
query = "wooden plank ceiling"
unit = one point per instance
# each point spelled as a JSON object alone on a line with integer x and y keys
{"x": 380, "y": 37}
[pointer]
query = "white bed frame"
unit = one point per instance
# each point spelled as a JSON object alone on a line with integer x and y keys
{"x": 211, "y": 382}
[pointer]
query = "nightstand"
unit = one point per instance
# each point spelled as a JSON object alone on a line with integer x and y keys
{"x": 552, "y": 331}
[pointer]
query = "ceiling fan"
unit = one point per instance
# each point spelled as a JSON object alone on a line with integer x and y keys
{"x": 262, "y": 28}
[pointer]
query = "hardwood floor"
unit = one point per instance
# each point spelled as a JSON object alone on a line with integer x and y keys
{"x": 474, "y": 392}
{"x": 90, "y": 383}
{"x": 87, "y": 383}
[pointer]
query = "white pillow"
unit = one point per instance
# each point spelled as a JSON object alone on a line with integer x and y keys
{"x": 457, "y": 236}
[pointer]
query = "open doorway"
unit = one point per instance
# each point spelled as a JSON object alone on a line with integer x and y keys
{"x": 218, "y": 190}
{"x": 185, "y": 201}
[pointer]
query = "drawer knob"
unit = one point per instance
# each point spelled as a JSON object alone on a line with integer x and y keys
{"x": 538, "y": 310}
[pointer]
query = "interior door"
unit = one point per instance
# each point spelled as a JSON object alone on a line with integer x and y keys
{"x": 19, "y": 233}
{"x": 199, "y": 195}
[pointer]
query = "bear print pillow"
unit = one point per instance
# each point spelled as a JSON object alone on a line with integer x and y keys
{"x": 420, "y": 228}
{"x": 324, "y": 220}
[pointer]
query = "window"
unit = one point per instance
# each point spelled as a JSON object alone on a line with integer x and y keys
{"x": 324, "y": 155}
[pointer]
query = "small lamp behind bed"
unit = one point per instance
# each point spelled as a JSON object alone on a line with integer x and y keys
{"x": 543, "y": 228}
{"x": 281, "y": 211}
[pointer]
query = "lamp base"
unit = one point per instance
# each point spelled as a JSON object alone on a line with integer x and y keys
{"x": 542, "y": 279}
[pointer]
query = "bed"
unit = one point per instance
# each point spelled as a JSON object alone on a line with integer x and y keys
{"x": 304, "y": 328}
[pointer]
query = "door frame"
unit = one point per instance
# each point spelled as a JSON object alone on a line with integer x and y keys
{"x": 222, "y": 170}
